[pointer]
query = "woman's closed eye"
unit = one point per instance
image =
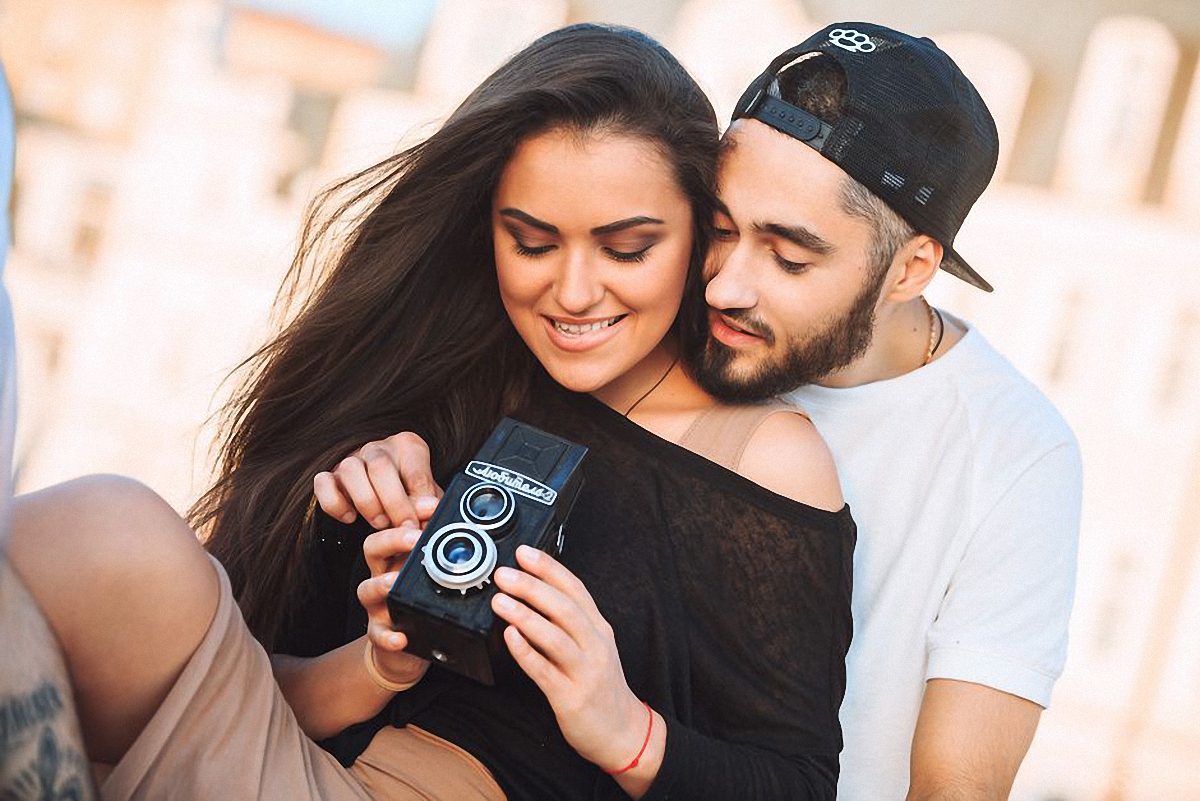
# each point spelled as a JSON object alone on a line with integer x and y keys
{"x": 531, "y": 250}
{"x": 628, "y": 255}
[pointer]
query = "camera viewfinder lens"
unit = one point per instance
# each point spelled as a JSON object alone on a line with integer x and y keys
{"x": 489, "y": 506}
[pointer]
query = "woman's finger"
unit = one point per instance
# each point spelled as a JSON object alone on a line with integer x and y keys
{"x": 386, "y": 638}
{"x": 331, "y": 499}
{"x": 549, "y": 601}
{"x": 386, "y": 550}
{"x": 384, "y": 476}
{"x": 373, "y": 592}
{"x": 553, "y": 572}
{"x": 552, "y": 641}
{"x": 351, "y": 474}
{"x": 411, "y": 456}
{"x": 544, "y": 674}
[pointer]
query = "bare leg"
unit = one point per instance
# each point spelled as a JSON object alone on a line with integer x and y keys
{"x": 128, "y": 591}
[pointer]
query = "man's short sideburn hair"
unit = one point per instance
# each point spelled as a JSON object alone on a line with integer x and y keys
{"x": 817, "y": 84}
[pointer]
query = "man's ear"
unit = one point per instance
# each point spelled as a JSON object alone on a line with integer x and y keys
{"x": 915, "y": 265}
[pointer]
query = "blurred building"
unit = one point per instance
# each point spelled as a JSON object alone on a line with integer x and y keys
{"x": 167, "y": 150}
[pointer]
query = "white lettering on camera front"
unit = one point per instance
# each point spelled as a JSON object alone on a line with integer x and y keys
{"x": 530, "y": 488}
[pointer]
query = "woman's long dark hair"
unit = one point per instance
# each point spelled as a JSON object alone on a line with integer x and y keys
{"x": 404, "y": 329}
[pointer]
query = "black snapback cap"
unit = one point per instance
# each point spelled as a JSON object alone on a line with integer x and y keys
{"x": 914, "y": 130}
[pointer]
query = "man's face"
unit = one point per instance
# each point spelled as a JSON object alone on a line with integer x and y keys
{"x": 792, "y": 292}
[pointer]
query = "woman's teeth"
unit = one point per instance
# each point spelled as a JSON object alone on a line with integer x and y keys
{"x": 579, "y": 330}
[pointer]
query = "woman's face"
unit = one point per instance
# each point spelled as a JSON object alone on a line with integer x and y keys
{"x": 592, "y": 238}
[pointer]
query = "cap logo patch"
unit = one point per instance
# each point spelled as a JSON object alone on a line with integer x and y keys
{"x": 852, "y": 40}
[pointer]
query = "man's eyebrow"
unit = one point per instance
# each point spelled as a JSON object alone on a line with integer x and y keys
{"x": 722, "y": 208}
{"x": 797, "y": 235}
{"x": 529, "y": 219}
{"x": 621, "y": 225}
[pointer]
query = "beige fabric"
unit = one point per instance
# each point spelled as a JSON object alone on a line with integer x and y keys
{"x": 720, "y": 433}
{"x": 225, "y": 731}
{"x": 412, "y": 763}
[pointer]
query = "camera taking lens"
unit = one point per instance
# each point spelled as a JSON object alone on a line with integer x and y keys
{"x": 460, "y": 556}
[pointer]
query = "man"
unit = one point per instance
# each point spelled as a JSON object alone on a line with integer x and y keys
{"x": 849, "y": 168}
{"x": 41, "y": 754}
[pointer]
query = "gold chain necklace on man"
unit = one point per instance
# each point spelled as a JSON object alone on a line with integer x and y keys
{"x": 937, "y": 328}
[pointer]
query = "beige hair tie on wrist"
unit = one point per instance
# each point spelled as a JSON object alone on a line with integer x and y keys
{"x": 378, "y": 678}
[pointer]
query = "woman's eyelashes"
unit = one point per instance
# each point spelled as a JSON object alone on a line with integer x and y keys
{"x": 628, "y": 256}
{"x": 624, "y": 256}
{"x": 531, "y": 250}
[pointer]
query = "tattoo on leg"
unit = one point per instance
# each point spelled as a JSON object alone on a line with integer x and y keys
{"x": 34, "y": 764}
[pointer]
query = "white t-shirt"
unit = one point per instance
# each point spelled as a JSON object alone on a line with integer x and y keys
{"x": 965, "y": 483}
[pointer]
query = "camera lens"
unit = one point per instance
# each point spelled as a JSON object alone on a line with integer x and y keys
{"x": 488, "y": 505}
{"x": 459, "y": 556}
{"x": 459, "y": 551}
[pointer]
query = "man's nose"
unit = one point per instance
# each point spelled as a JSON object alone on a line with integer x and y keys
{"x": 578, "y": 287}
{"x": 731, "y": 284}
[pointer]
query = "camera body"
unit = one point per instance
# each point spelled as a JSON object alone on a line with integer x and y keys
{"x": 518, "y": 490}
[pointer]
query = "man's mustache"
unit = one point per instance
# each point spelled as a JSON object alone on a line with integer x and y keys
{"x": 746, "y": 319}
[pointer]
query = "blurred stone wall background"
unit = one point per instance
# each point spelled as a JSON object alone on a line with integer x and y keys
{"x": 167, "y": 148}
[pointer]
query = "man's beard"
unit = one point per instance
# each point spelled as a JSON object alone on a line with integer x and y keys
{"x": 804, "y": 361}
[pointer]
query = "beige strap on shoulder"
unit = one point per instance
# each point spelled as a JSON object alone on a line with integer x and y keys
{"x": 720, "y": 433}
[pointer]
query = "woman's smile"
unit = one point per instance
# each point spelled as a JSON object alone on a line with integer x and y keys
{"x": 575, "y": 335}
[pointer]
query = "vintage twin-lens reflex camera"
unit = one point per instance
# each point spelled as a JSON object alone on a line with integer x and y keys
{"x": 518, "y": 490}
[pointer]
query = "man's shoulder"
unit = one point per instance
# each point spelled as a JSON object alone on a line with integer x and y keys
{"x": 999, "y": 397}
{"x": 1011, "y": 422}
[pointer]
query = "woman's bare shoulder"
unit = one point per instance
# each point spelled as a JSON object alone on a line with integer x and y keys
{"x": 787, "y": 455}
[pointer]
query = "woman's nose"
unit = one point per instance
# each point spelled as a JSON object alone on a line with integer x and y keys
{"x": 579, "y": 286}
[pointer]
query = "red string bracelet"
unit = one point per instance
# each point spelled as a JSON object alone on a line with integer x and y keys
{"x": 646, "y": 742}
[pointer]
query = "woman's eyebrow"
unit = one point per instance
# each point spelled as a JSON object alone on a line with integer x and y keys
{"x": 621, "y": 225}
{"x": 528, "y": 219}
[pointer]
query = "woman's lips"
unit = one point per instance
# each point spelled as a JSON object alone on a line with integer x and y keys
{"x": 567, "y": 335}
{"x": 725, "y": 332}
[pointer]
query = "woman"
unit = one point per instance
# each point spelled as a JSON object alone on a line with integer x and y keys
{"x": 570, "y": 195}
{"x": 561, "y": 213}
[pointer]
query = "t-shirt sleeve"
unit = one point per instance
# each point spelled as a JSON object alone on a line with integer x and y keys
{"x": 1003, "y": 621}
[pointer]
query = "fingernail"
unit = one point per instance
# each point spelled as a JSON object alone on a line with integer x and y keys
{"x": 410, "y": 524}
{"x": 411, "y": 537}
{"x": 425, "y": 504}
{"x": 381, "y": 521}
{"x": 390, "y": 578}
{"x": 504, "y": 603}
{"x": 349, "y": 517}
{"x": 395, "y": 640}
{"x": 505, "y": 574}
{"x": 529, "y": 554}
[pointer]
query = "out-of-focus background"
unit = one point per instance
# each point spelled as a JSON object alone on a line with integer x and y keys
{"x": 166, "y": 150}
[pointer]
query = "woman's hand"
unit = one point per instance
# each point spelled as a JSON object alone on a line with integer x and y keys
{"x": 388, "y": 481}
{"x": 559, "y": 638}
{"x": 386, "y": 552}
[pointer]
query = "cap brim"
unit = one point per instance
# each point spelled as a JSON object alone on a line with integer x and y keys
{"x": 957, "y": 266}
